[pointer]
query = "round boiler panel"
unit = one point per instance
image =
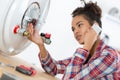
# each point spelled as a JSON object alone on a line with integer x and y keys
{"x": 14, "y": 19}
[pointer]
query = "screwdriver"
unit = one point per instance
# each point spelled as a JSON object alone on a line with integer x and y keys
{"x": 6, "y": 65}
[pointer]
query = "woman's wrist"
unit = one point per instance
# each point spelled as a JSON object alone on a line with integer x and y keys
{"x": 40, "y": 44}
{"x": 42, "y": 50}
{"x": 87, "y": 47}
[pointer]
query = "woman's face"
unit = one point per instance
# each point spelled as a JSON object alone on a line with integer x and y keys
{"x": 80, "y": 26}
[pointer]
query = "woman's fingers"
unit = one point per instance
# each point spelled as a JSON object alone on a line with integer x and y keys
{"x": 30, "y": 28}
{"x": 29, "y": 31}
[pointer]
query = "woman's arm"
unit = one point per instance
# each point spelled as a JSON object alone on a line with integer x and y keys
{"x": 36, "y": 38}
{"x": 52, "y": 66}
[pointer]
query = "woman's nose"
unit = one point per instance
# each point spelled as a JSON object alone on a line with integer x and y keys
{"x": 76, "y": 31}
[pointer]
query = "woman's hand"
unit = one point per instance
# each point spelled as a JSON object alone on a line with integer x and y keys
{"x": 37, "y": 39}
{"x": 34, "y": 35}
{"x": 90, "y": 38}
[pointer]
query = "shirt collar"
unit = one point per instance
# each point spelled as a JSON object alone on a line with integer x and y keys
{"x": 101, "y": 45}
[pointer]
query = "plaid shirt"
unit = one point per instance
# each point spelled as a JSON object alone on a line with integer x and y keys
{"x": 103, "y": 65}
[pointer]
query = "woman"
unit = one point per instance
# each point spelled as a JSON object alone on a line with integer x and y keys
{"x": 95, "y": 60}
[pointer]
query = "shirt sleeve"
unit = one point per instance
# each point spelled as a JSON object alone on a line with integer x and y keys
{"x": 99, "y": 67}
{"x": 52, "y": 66}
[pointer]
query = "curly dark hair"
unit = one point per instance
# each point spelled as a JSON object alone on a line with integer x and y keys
{"x": 91, "y": 12}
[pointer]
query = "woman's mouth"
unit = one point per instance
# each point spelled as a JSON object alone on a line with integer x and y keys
{"x": 78, "y": 37}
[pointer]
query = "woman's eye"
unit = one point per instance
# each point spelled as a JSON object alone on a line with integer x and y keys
{"x": 73, "y": 29}
{"x": 79, "y": 25}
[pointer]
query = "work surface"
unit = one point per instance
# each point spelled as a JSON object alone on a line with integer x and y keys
{"x": 16, "y": 61}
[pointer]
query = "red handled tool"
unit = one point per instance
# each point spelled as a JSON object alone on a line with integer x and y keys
{"x": 26, "y": 70}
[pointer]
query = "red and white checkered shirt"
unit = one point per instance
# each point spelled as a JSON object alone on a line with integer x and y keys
{"x": 103, "y": 65}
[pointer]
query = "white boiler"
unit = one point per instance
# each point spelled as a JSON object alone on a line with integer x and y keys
{"x": 14, "y": 16}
